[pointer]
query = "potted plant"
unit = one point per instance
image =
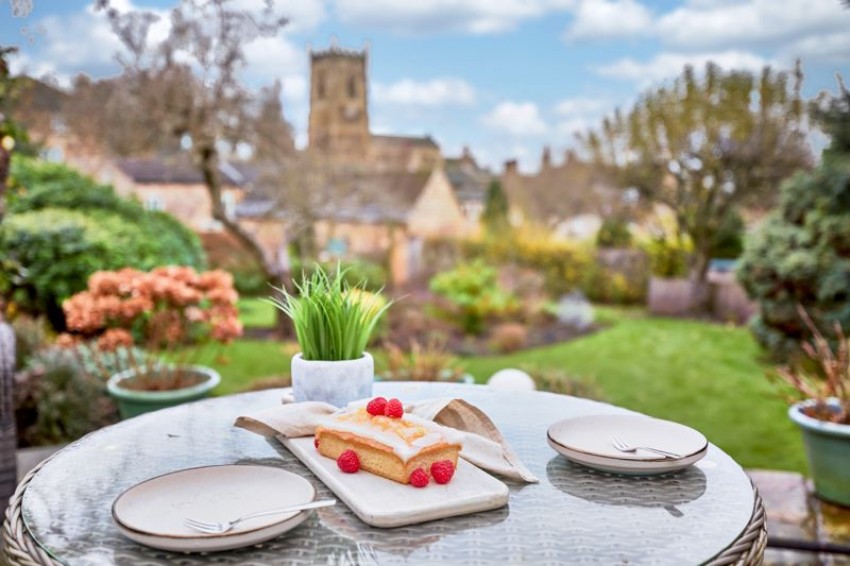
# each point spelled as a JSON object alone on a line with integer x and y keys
{"x": 824, "y": 414}
{"x": 170, "y": 312}
{"x": 333, "y": 324}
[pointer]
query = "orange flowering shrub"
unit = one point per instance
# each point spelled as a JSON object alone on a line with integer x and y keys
{"x": 166, "y": 307}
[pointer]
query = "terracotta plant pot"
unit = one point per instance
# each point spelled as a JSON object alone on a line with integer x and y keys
{"x": 828, "y": 450}
{"x": 337, "y": 383}
{"x": 133, "y": 402}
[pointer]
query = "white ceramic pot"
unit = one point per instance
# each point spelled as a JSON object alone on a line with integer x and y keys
{"x": 337, "y": 383}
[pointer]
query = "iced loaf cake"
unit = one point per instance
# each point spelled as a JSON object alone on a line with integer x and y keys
{"x": 380, "y": 438}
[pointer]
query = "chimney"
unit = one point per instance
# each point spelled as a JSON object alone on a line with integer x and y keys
{"x": 511, "y": 167}
{"x": 570, "y": 157}
{"x": 466, "y": 155}
{"x": 546, "y": 159}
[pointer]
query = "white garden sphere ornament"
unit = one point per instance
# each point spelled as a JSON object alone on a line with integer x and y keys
{"x": 511, "y": 380}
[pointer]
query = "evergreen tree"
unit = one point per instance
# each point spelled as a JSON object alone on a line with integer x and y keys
{"x": 495, "y": 216}
{"x": 832, "y": 113}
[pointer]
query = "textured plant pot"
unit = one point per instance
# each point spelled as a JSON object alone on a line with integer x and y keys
{"x": 828, "y": 450}
{"x": 337, "y": 383}
{"x": 132, "y": 402}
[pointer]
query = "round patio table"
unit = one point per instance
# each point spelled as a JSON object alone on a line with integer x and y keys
{"x": 708, "y": 513}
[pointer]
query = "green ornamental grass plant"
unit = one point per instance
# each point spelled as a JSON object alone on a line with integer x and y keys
{"x": 333, "y": 320}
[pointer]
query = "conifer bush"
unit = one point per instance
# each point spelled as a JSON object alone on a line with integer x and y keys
{"x": 801, "y": 256}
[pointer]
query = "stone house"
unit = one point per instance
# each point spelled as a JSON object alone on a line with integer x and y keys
{"x": 571, "y": 197}
{"x": 392, "y": 227}
{"x": 176, "y": 187}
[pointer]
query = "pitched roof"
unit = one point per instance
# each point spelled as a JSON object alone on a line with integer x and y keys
{"x": 469, "y": 181}
{"x": 417, "y": 141}
{"x": 370, "y": 198}
{"x": 161, "y": 171}
{"x": 572, "y": 188}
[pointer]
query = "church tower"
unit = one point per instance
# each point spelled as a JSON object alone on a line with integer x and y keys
{"x": 339, "y": 119}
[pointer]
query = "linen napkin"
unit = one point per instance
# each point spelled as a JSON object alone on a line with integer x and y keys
{"x": 483, "y": 444}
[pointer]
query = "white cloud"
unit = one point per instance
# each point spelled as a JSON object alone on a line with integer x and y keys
{"x": 607, "y": 19}
{"x": 516, "y": 118}
{"x": 268, "y": 58}
{"x": 436, "y": 92}
{"x": 439, "y": 16}
{"x": 567, "y": 129}
{"x": 303, "y": 15}
{"x": 833, "y": 47}
{"x": 668, "y": 65}
{"x": 582, "y": 106}
{"x": 702, "y": 25}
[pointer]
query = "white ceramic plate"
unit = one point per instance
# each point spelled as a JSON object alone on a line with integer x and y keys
{"x": 587, "y": 441}
{"x": 152, "y": 512}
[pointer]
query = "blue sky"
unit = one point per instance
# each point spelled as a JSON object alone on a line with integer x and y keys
{"x": 505, "y": 77}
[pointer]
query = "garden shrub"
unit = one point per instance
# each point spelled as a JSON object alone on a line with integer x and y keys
{"x": 614, "y": 233}
{"x": 364, "y": 274}
{"x": 224, "y": 252}
{"x": 508, "y": 337}
{"x": 801, "y": 256}
{"x": 63, "y": 227}
{"x": 668, "y": 258}
{"x": 474, "y": 292}
{"x": 618, "y": 276}
{"x": 57, "y": 401}
{"x": 562, "y": 264}
{"x": 49, "y": 254}
{"x": 30, "y": 336}
{"x": 728, "y": 242}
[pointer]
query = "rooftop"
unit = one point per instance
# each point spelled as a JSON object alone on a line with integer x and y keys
{"x": 180, "y": 171}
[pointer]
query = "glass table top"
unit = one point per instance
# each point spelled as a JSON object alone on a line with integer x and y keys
{"x": 573, "y": 515}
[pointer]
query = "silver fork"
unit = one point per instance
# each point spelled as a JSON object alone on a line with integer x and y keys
{"x": 213, "y": 528}
{"x": 624, "y": 446}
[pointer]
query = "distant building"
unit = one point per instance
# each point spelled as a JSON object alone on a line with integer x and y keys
{"x": 339, "y": 118}
{"x": 418, "y": 193}
{"x": 571, "y": 197}
{"x": 412, "y": 208}
{"x": 470, "y": 182}
{"x": 177, "y": 187}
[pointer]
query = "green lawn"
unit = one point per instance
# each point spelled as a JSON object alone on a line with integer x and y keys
{"x": 704, "y": 375}
{"x": 256, "y": 312}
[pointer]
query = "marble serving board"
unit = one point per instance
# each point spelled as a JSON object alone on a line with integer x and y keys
{"x": 381, "y": 502}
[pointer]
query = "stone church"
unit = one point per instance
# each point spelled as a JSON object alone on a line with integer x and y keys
{"x": 339, "y": 118}
{"x": 414, "y": 192}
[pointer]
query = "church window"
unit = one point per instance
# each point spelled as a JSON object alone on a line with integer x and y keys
{"x": 352, "y": 87}
{"x": 320, "y": 85}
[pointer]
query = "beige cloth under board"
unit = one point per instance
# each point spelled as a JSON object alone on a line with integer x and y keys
{"x": 483, "y": 444}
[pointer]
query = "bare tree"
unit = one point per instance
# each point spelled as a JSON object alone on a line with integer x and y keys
{"x": 272, "y": 134}
{"x": 99, "y": 120}
{"x": 189, "y": 83}
{"x": 706, "y": 146}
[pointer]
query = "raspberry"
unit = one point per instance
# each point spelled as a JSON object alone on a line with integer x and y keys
{"x": 376, "y": 406}
{"x": 419, "y": 478}
{"x": 442, "y": 471}
{"x": 394, "y": 409}
{"x": 348, "y": 462}
{"x": 316, "y": 442}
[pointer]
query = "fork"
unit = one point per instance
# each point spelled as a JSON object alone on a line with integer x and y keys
{"x": 213, "y": 528}
{"x": 624, "y": 446}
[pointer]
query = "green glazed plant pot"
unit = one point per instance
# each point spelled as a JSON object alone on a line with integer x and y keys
{"x": 132, "y": 402}
{"x": 828, "y": 450}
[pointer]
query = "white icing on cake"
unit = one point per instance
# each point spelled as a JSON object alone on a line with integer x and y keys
{"x": 406, "y": 436}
